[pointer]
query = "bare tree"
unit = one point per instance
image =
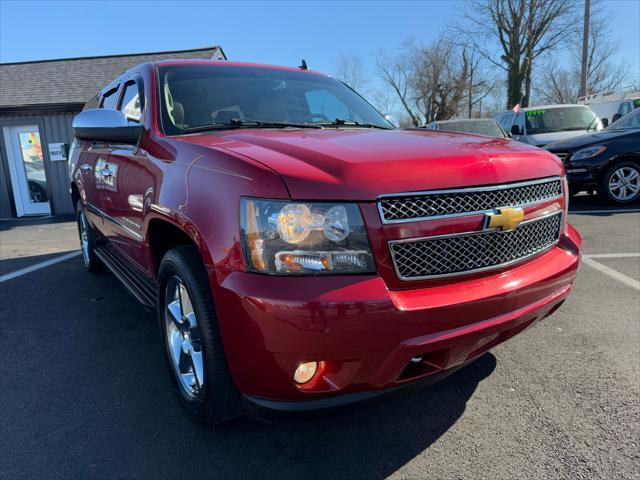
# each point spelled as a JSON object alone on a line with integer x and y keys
{"x": 558, "y": 85}
{"x": 352, "y": 70}
{"x": 396, "y": 72}
{"x": 478, "y": 87}
{"x": 524, "y": 30}
{"x": 429, "y": 81}
{"x": 562, "y": 84}
{"x": 384, "y": 100}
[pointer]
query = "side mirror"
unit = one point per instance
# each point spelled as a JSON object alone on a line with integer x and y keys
{"x": 515, "y": 130}
{"x": 616, "y": 117}
{"x": 605, "y": 122}
{"x": 106, "y": 125}
{"x": 392, "y": 120}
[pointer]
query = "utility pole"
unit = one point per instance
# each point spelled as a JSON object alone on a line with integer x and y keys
{"x": 470, "y": 91}
{"x": 585, "y": 48}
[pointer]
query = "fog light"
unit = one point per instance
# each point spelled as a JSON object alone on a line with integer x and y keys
{"x": 305, "y": 372}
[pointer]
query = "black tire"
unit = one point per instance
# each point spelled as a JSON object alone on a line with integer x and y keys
{"x": 219, "y": 400}
{"x": 91, "y": 262}
{"x": 605, "y": 192}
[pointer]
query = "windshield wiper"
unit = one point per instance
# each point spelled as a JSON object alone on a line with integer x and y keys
{"x": 235, "y": 123}
{"x": 340, "y": 122}
{"x": 247, "y": 122}
{"x": 593, "y": 122}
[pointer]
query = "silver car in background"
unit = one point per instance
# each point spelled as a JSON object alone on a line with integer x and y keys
{"x": 479, "y": 126}
{"x": 540, "y": 126}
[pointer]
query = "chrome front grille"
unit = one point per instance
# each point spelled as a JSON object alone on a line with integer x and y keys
{"x": 464, "y": 201}
{"x": 458, "y": 254}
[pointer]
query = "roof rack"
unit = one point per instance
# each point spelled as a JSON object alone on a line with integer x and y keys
{"x": 610, "y": 96}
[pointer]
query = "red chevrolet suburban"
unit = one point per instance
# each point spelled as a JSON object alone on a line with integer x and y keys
{"x": 301, "y": 252}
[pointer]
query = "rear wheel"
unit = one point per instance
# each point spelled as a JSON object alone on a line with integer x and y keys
{"x": 87, "y": 241}
{"x": 621, "y": 183}
{"x": 191, "y": 337}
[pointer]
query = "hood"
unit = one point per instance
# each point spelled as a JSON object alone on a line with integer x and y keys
{"x": 591, "y": 139}
{"x": 543, "y": 139}
{"x": 361, "y": 164}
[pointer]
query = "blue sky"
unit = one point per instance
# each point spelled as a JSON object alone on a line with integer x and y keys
{"x": 266, "y": 32}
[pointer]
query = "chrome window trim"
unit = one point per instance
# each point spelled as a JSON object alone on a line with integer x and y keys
{"x": 464, "y": 190}
{"x": 474, "y": 232}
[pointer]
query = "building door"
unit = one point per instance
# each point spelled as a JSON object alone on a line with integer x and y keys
{"x": 26, "y": 167}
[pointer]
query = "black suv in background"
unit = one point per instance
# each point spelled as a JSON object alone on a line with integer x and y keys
{"x": 607, "y": 161}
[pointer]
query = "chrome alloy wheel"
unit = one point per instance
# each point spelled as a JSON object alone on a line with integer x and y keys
{"x": 624, "y": 183}
{"x": 183, "y": 338}
{"x": 84, "y": 238}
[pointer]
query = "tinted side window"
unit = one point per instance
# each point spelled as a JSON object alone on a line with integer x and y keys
{"x": 520, "y": 123}
{"x": 109, "y": 99}
{"x": 132, "y": 102}
{"x": 506, "y": 121}
{"x": 625, "y": 107}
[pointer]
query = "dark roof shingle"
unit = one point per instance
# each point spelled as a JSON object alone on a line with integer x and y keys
{"x": 75, "y": 80}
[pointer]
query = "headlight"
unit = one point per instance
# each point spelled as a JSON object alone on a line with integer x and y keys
{"x": 588, "y": 152}
{"x": 304, "y": 238}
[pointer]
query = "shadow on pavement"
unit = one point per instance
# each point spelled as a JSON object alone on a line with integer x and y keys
{"x": 8, "y": 224}
{"x": 8, "y": 265}
{"x": 85, "y": 393}
{"x": 584, "y": 203}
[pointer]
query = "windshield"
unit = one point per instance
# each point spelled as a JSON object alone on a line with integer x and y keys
{"x": 560, "y": 119}
{"x": 488, "y": 128}
{"x": 630, "y": 120}
{"x": 195, "y": 96}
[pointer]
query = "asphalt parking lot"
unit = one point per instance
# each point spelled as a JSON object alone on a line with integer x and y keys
{"x": 84, "y": 391}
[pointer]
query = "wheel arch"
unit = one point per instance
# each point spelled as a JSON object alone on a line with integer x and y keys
{"x": 163, "y": 234}
{"x": 623, "y": 157}
{"x": 75, "y": 195}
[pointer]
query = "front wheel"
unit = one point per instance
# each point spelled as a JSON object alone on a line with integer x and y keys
{"x": 191, "y": 337}
{"x": 621, "y": 183}
{"x": 87, "y": 241}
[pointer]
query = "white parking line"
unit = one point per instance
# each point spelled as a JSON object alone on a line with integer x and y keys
{"x": 616, "y": 275}
{"x": 621, "y": 210}
{"x": 613, "y": 255}
{"x": 38, "y": 266}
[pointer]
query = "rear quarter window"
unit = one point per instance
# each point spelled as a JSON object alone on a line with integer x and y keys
{"x": 132, "y": 101}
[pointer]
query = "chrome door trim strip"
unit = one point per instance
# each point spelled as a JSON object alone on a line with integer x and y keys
{"x": 105, "y": 216}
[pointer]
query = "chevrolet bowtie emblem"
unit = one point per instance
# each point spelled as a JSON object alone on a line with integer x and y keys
{"x": 504, "y": 218}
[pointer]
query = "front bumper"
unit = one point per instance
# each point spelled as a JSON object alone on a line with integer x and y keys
{"x": 365, "y": 335}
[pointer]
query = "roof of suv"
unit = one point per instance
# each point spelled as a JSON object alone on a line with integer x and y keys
{"x": 555, "y": 105}
{"x": 226, "y": 63}
{"x": 541, "y": 107}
